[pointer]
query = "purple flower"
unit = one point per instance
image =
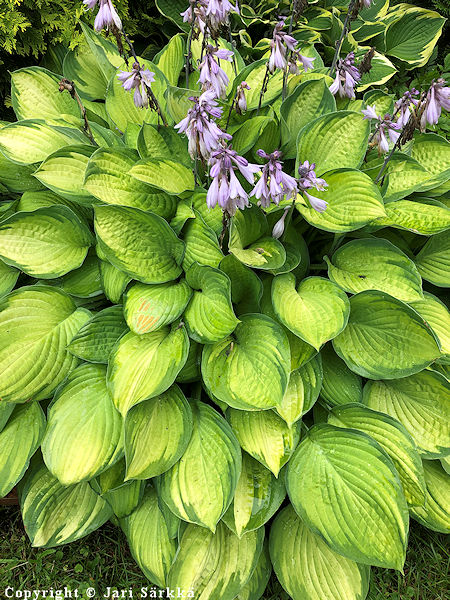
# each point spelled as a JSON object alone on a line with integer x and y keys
{"x": 106, "y": 16}
{"x": 212, "y": 76}
{"x": 366, "y": 3}
{"x": 306, "y": 61}
{"x": 139, "y": 80}
{"x": 202, "y": 131}
{"x": 385, "y": 126}
{"x": 403, "y": 105}
{"x": 280, "y": 43}
{"x": 226, "y": 189}
{"x": 241, "y": 100}
{"x": 218, "y": 12}
{"x": 278, "y": 228}
{"x": 438, "y": 98}
{"x": 347, "y": 76}
{"x": 370, "y": 113}
{"x": 195, "y": 14}
{"x": 308, "y": 179}
{"x": 274, "y": 184}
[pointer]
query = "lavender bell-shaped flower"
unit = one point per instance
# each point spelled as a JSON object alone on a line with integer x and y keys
{"x": 306, "y": 62}
{"x": 308, "y": 179}
{"x": 139, "y": 80}
{"x": 438, "y": 98}
{"x": 107, "y": 15}
{"x": 278, "y": 228}
{"x": 203, "y": 133}
{"x": 241, "y": 100}
{"x": 280, "y": 43}
{"x": 385, "y": 126}
{"x": 347, "y": 76}
{"x": 195, "y": 14}
{"x": 403, "y": 106}
{"x": 274, "y": 184}
{"x": 226, "y": 189}
{"x": 212, "y": 76}
{"x": 218, "y": 12}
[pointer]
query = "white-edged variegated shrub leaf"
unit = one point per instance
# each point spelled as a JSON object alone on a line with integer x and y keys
{"x": 200, "y": 487}
{"x": 393, "y": 438}
{"x": 98, "y": 336}
{"x": 45, "y": 243}
{"x": 209, "y": 316}
{"x": 250, "y": 369}
{"x": 107, "y": 178}
{"x": 257, "y": 498}
{"x": 340, "y": 385}
{"x": 435, "y": 514}
{"x": 36, "y": 325}
{"x": 421, "y": 403}
{"x": 346, "y": 489}
{"x": 302, "y": 391}
{"x": 385, "y": 338}
{"x": 265, "y": 436}
{"x": 308, "y": 568}
{"x": 375, "y": 264}
{"x": 148, "y": 535}
{"x": 157, "y": 432}
{"x": 20, "y": 436}
{"x": 316, "y": 310}
{"x": 336, "y": 140}
{"x": 84, "y": 429}
{"x": 215, "y": 565}
{"x": 140, "y": 243}
{"x": 144, "y": 366}
{"x": 353, "y": 201}
{"x": 147, "y": 308}
{"x": 54, "y": 514}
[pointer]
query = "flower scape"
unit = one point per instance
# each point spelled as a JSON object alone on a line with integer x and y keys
{"x": 222, "y": 283}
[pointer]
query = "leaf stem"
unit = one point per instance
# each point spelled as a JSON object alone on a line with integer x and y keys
{"x": 67, "y": 84}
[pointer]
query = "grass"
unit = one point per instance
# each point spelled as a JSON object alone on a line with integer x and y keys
{"x": 103, "y": 559}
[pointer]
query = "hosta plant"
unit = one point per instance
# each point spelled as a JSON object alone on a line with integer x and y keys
{"x": 222, "y": 313}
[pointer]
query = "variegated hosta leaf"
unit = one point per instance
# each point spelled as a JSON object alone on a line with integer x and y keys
{"x": 433, "y": 261}
{"x": 162, "y": 142}
{"x": 433, "y": 152}
{"x": 63, "y": 173}
{"x": 265, "y": 436}
{"x": 301, "y": 352}
{"x": 345, "y": 487}
{"x": 334, "y": 141}
{"x": 417, "y": 217}
{"x": 84, "y": 429}
{"x": 98, "y": 336}
{"x": 113, "y": 280}
{"x": 8, "y": 278}
{"x": 385, "y": 338}
{"x": 147, "y": 308}
{"x": 107, "y": 179}
{"x": 316, "y": 311}
{"x": 83, "y": 282}
{"x": 45, "y": 243}
{"x": 191, "y": 370}
{"x": 141, "y": 244}
{"x": 20, "y": 437}
{"x": 36, "y": 325}
{"x": 435, "y": 514}
{"x": 256, "y": 585}
{"x": 6, "y": 409}
{"x": 437, "y": 315}
{"x": 249, "y": 370}
{"x": 200, "y": 486}
{"x": 246, "y": 287}
{"x": 164, "y": 174}
{"x": 421, "y": 403}
{"x": 149, "y": 539}
{"x": 157, "y": 433}
{"x": 375, "y": 264}
{"x": 308, "y": 568}
{"x": 257, "y": 498}
{"x": 54, "y": 514}
{"x": 215, "y": 565}
{"x": 210, "y": 316}
{"x": 340, "y": 385}
{"x": 202, "y": 245}
{"x": 302, "y": 392}
{"x": 353, "y": 201}
{"x": 144, "y": 366}
{"x": 393, "y": 438}
{"x": 123, "y": 496}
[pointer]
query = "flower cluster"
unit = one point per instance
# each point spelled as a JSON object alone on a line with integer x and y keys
{"x": 306, "y": 62}
{"x": 211, "y": 14}
{"x": 385, "y": 126}
{"x": 437, "y": 98}
{"x": 280, "y": 44}
{"x": 107, "y": 16}
{"x": 347, "y": 76}
{"x": 308, "y": 179}
{"x": 241, "y": 100}
{"x": 274, "y": 184}
{"x": 212, "y": 76}
{"x": 403, "y": 106}
{"x": 139, "y": 80}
